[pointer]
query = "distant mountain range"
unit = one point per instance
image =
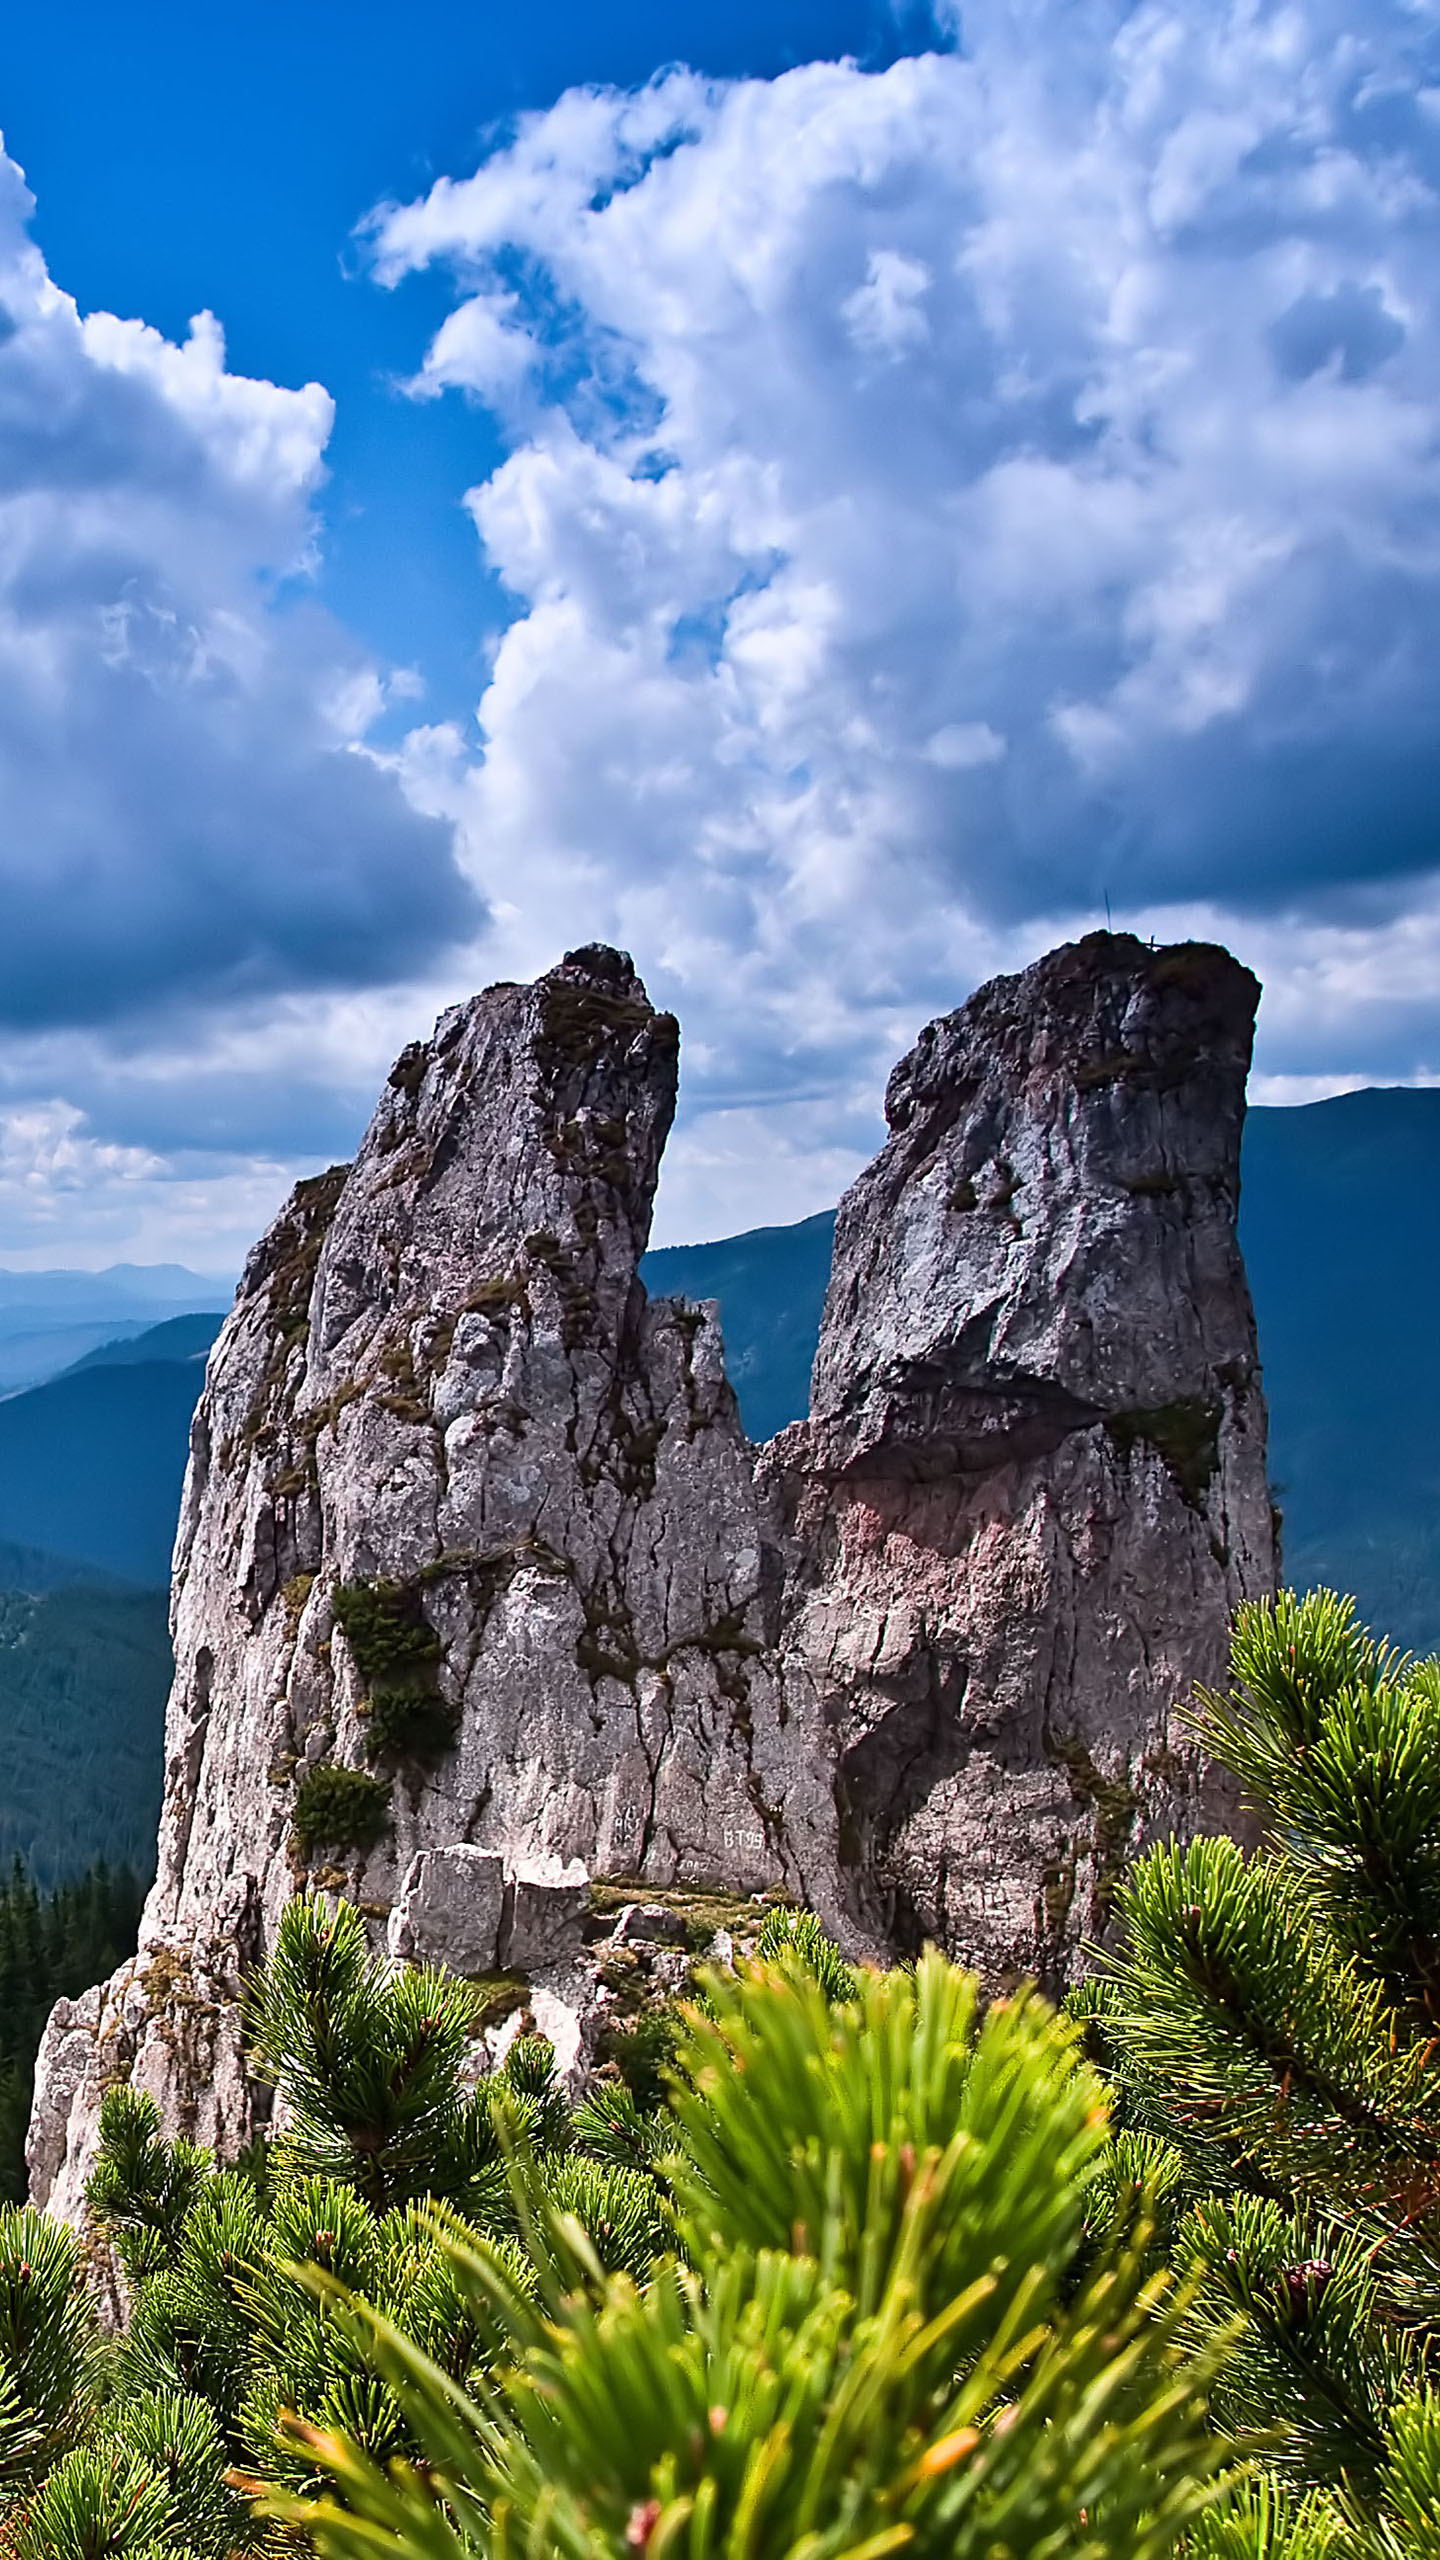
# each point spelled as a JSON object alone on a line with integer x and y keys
{"x": 91, "y": 1462}
{"x": 50, "y": 1318}
{"x": 90, "y": 1468}
{"x": 1340, "y": 1220}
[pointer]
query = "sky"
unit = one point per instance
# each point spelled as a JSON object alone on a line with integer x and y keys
{"x": 833, "y": 497}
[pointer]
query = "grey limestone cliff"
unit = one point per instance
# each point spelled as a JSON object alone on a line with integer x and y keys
{"x": 1032, "y": 1486}
{"x": 480, "y": 1592}
{"x": 469, "y": 1550}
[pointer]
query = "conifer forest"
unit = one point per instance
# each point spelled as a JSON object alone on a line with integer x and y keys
{"x": 848, "y": 2262}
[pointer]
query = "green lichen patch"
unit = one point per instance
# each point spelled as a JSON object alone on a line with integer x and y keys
{"x": 502, "y": 1293}
{"x": 408, "y": 1073}
{"x": 340, "y": 1807}
{"x": 294, "y": 1247}
{"x": 292, "y": 1275}
{"x": 294, "y": 1594}
{"x": 578, "y": 1019}
{"x": 497, "y": 1997}
{"x": 1186, "y": 1434}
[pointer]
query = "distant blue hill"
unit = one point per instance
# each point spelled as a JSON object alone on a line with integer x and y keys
{"x": 91, "y": 1462}
{"x": 184, "y": 1338}
{"x": 90, "y": 1471}
{"x": 1340, "y": 1221}
{"x": 50, "y": 1319}
{"x": 771, "y": 1287}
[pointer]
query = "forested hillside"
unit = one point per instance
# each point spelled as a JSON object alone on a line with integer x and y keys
{"x": 84, "y": 1669}
{"x": 91, "y": 1464}
{"x": 51, "y": 1946}
{"x": 90, "y": 1471}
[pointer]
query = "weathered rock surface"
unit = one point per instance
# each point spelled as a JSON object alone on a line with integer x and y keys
{"x": 1032, "y": 1486}
{"x": 478, "y": 1590}
{"x": 450, "y": 1909}
{"x": 470, "y": 1549}
{"x": 168, "y": 2023}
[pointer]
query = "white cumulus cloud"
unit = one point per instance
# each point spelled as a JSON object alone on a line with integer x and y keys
{"x": 943, "y": 501}
{"x": 188, "y": 815}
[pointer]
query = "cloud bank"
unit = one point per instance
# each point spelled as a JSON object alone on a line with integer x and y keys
{"x": 941, "y": 506}
{"x": 187, "y": 813}
{"x": 943, "y": 501}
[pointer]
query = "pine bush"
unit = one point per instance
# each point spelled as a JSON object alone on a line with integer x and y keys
{"x": 1272, "y": 2027}
{"x": 875, "y": 2332}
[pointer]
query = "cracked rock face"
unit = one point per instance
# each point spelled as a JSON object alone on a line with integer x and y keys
{"x": 474, "y": 1556}
{"x": 470, "y": 1549}
{"x": 1032, "y": 1487}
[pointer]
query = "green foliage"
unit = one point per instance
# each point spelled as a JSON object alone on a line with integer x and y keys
{"x": 875, "y": 2336}
{"x": 226, "y": 2330}
{"x": 142, "y": 2187}
{"x": 856, "y": 2264}
{"x": 397, "y": 1654}
{"x": 1271, "y": 2028}
{"x": 340, "y": 1808}
{"x": 51, "y": 1947}
{"x": 798, "y": 1934}
{"x": 369, "y": 2059}
{"x": 47, "y": 2345}
{"x": 98, "y": 2500}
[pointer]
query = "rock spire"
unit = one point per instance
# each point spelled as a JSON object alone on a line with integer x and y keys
{"x": 1032, "y": 1486}
{"x": 481, "y": 1592}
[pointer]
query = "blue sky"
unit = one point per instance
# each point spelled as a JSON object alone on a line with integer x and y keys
{"x": 829, "y": 499}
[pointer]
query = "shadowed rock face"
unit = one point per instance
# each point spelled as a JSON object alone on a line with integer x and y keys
{"x": 1032, "y": 1486}
{"x": 473, "y": 1551}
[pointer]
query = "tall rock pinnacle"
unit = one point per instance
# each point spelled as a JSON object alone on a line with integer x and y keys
{"x": 1032, "y": 1486}
{"x": 469, "y": 1550}
{"x": 480, "y": 1590}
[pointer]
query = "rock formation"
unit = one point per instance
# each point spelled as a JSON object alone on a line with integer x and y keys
{"x": 469, "y": 1549}
{"x": 478, "y": 1590}
{"x": 1032, "y": 1486}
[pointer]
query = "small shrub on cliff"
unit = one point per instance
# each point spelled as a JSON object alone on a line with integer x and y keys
{"x": 397, "y": 1654}
{"x": 340, "y": 1808}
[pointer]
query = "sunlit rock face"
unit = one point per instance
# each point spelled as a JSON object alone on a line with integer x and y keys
{"x": 1032, "y": 1486}
{"x": 474, "y": 1555}
{"x": 470, "y": 1549}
